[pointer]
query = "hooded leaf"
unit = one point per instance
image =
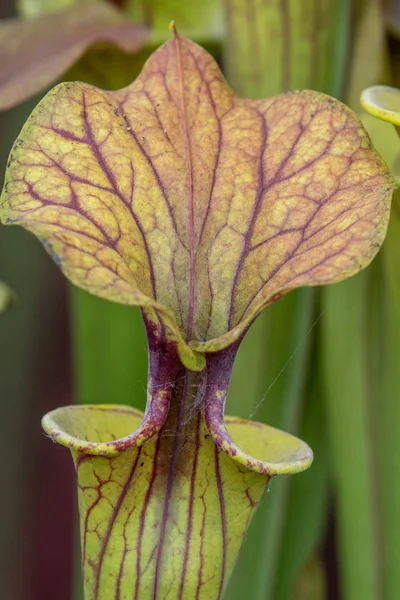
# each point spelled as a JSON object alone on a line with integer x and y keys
{"x": 35, "y": 52}
{"x": 178, "y": 196}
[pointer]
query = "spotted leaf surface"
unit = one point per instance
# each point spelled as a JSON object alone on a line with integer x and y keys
{"x": 201, "y": 207}
{"x": 152, "y": 532}
{"x": 36, "y": 52}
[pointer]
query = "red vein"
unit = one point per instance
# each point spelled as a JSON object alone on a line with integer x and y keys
{"x": 156, "y": 174}
{"x": 122, "y": 565}
{"x": 191, "y": 191}
{"x": 170, "y": 480}
{"x": 294, "y": 253}
{"x": 223, "y": 520}
{"x": 111, "y": 523}
{"x": 189, "y": 526}
{"x": 256, "y": 208}
{"x": 111, "y": 178}
{"x": 202, "y": 530}
{"x": 143, "y": 517}
{"x": 218, "y": 151}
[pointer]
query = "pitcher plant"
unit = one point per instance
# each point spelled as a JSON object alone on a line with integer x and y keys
{"x": 202, "y": 208}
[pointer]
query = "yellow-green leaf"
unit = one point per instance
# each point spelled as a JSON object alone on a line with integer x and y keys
{"x": 382, "y": 102}
{"x": 36, "y": 52}
{"x": 148, "y": 533}
{"x": 178, "y": 196}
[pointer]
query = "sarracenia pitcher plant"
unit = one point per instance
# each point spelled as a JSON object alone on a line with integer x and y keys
{"x": 202, "y": 208}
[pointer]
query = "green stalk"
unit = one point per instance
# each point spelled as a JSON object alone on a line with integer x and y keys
{"x": 298, "y": 338}
{"x": 307, "y": 506}
{"x": 352, "y": 370}
{"x": 389, "y": 417}
{"x": 385, "y": 353}
{"x": 285, "y": 333}
{"x": 344, "y": 343}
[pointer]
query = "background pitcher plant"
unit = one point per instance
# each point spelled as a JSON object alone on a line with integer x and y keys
{"x": 202, "y": 208}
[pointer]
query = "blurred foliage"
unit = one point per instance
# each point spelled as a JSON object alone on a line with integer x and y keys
{"x": 34, "y": 377}
{"x": 324, "y": 364}
{"x": 37, "y": 8}
{"x": 7, "y": 297}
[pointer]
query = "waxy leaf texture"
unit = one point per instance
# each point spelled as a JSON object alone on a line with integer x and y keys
{"x": 151, "y": 534}
{"x": 35, "y": 52}
{"x": 201, "y": 207}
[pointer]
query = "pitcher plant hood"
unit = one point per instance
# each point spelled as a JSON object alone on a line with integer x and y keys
{"x": 175, "y": 195}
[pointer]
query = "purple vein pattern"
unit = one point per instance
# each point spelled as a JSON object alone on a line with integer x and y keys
{"x": 175, "y": 192}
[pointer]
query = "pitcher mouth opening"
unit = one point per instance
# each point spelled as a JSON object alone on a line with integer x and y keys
{"x": 109, "y": 430}
{"x": 98, "y": 429}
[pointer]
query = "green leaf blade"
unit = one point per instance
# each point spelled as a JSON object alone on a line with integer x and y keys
{"x": 345, "y": 361}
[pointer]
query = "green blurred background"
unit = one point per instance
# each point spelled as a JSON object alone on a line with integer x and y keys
{"x": 323, "y": 363}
